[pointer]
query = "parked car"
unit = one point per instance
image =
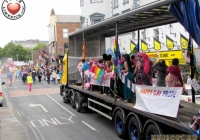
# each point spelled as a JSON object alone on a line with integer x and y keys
{"x": 1, "y": 93}
{"x": 188, "y": 96}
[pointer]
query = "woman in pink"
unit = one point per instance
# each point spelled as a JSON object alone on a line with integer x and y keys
{"x": 175, "y": 79}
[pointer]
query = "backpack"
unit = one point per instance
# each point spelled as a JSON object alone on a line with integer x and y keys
{"x": 39, "y": 73}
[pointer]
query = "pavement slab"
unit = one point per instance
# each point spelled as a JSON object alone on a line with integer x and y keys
{"x": 10, "y": 127}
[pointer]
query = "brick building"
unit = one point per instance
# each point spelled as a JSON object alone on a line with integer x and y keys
{"x": 59, "y": 27}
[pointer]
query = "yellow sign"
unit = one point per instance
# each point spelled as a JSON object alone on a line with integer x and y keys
{"x": 165, "y": 55}
{"x": 168, "y": 56}
{"x": 184, "y": 42}
{"x": 132, "y": 46}
{"x": 169, "y": 43}
{"x": 144, "y": 45}
{"x": 157, "y": 44}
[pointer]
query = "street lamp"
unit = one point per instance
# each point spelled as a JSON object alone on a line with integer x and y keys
{"x": 17, "y": 57}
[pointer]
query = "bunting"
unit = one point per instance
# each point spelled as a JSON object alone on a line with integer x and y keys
{"x": 183, "y": 42}
{"x": 144, "y": 45}
{"x": 157, "y": 44}
{"x": 169, "y": 43}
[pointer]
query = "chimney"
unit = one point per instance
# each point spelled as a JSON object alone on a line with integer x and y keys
{"x": 52, "y": 12}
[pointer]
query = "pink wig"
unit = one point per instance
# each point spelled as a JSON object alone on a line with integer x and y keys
{"x": 146, "y": 60}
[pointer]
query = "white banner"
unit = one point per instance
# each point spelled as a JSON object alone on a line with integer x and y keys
{"x": 105, "y": 80}
{"x": 158, "y": 100}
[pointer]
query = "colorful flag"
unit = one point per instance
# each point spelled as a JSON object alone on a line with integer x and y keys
{"x": 99, "y": 73}
{"x": 84, "y": 50}
{"x": 37, "y": 65}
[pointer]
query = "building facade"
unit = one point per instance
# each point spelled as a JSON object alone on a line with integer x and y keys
{"x": 93, "y": 11}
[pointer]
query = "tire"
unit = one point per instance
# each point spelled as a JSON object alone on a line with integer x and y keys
{"x": 151, "y": 130}
{"x": 134, "y": 129}
{"x": 77, "y": 104}
{"x": 120, "y": 127}
{"x": 72, "y": 99}
{"x": 65, "y": 99}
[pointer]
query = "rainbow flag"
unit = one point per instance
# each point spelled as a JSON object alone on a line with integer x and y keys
{"x": 84, "y": 50}
{"x": 99, "y": 73}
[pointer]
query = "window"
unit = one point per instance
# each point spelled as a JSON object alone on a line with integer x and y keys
{"x": 136, "y": 4}
{"x": 96, "y": 17}
{"x": 65, "y": 33}
{"x": 81, "y": 2}
{"x": 82, "y": 21}
{"x": 96, "y": 1}
{"x": 115, "y": 3}
{"x": 125, "y": 1}
{"x": 96, "y": 21}
{"x": 156, "y": 33}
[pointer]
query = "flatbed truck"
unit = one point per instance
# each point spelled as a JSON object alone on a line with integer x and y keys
{"x": 129, "y": 122}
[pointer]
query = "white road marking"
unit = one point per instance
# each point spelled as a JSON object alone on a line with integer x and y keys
{"x": 34, "y": 105}
{"x": 61, "y": 106}
{"x": 35, "y": 134}
{"x": 70, "y": 119}
{"x": 90, "y": 126}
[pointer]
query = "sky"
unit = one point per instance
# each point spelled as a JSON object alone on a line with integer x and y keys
{"x": 33, "y": 24}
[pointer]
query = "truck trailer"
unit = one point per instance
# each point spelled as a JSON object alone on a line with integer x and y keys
{"x": 129, "y": 122}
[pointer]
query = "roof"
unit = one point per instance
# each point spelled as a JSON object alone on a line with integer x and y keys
{"x": 147, "y": 16}
{"x": 68, "y": 18}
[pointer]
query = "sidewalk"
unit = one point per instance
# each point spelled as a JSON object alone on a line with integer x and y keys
{"x": 10, "y": 127}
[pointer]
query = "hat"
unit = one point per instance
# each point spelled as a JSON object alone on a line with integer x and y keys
{"x": 94, "y": 61}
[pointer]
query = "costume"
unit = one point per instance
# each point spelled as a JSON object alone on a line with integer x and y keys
{"x": 143, "y": 70}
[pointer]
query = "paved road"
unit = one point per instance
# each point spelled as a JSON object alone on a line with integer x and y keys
{"x": 46, "y": 117}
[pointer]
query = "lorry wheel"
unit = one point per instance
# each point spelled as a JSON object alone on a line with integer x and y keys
{"x": 65, "y": 99}
{"x": 134, "y": 129}
{"x": 152, "y": 130}
{"x": 77, "y": 104}
{"x": 119, "y": 125}
{"x": 72, "y": 95}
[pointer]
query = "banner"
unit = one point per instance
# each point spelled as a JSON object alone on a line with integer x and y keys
{"x": 132, "y": 46}
{"x": 158, "y": 100}
{"x": 157, "y": 44}
{"x": 144, "y": 45}
{"x": 105, "y": 80}
{"x": 184, "y": 42}
{"x": 169, "y": 43}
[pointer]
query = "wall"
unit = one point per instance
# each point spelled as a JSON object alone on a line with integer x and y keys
{"x": 59, "y": 33}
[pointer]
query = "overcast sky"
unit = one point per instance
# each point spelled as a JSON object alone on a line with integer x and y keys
{"x": 33, "y": 24}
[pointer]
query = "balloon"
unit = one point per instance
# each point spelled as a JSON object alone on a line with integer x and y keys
{"x": 87, "y": 85}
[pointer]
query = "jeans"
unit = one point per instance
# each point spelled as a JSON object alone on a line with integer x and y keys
{"x": 54, "y": 80}
{"x": 34, "y": 79}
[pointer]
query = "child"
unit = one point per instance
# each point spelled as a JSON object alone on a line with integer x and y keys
{"x": 54, "y": 75}
{"x": 10, "y": 77}
{"x": 29, "y": 81}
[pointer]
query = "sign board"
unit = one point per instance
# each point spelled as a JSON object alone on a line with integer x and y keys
{"x": 194, "y": 84}
{"x": 158, "y": 100}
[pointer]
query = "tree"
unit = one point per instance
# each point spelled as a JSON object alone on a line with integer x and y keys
{"x": 38, "y": 46}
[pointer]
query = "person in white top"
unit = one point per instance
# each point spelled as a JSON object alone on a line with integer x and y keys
{"x": 188, "y": 80}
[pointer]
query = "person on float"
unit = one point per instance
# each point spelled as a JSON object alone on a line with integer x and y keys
{"x": 133, "y": 65}
{"x": 143, "y": 70}
{"x": 94, "y": 64}
{"x": 128, "y": 74}
{"x": 175, "y": 79}
{"x": 102, "y": 67}
{"x": 161, "y": 67}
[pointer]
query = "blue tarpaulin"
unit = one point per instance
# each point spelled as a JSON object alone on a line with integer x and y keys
{"x": 187, "y": 13}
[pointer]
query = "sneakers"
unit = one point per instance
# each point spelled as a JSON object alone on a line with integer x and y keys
{"x": 126, "y": 101}
{"x": 104, "y": 94}
{"x": 180, "y": 106}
